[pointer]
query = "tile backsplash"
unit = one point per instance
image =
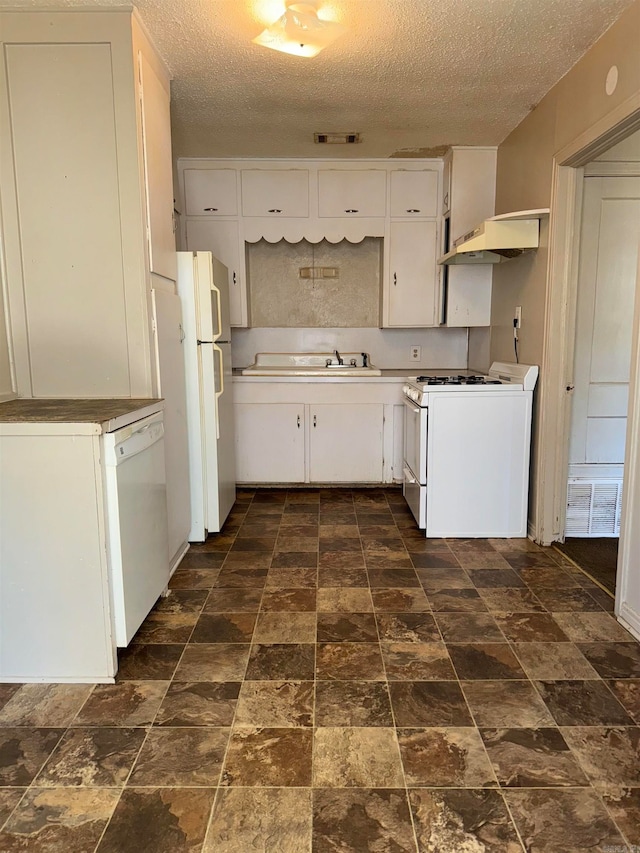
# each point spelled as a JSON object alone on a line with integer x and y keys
{"x": 388, "y": 348}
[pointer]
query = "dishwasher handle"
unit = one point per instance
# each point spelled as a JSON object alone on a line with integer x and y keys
{"x": 129, "y": 441}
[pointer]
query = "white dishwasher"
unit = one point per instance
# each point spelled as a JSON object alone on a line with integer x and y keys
{"x": 137, "y": 532}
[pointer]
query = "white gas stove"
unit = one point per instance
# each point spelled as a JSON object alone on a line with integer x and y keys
{"x": 466, "y": 451}
{"x": 501, "y": 376}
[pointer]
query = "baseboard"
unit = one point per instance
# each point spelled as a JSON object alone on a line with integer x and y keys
{"x": 177, "y": 559}
{"x": 629, "y": 619}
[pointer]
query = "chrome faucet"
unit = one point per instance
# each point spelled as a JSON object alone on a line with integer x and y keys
{"x": 339, "y": 358}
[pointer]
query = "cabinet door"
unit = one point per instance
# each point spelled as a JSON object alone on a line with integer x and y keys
{"x": 211, "y": 192}
{"x": 414, "y": 193}
{"x": 74, "y": 304}
{"x": 446, "y": 184}
{"x": 361, "y": 192}
{"x": 412, "y": 278}
{"x": 221, "y": 237}
{"x": 345, "y": 443}
{"x": 158, "y": 175}
{"x": 269, "y": 442}
{"x": 268, "y": 192}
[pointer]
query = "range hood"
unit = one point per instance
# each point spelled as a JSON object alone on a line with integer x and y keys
{"x": 498, "y": 239}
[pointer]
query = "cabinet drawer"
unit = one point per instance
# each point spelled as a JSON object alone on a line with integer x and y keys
{"x": 275, "y": 192}
{"x": 210, "y": 192}
{"x": 343, "y": 193}
{"x": 414, "y": 193}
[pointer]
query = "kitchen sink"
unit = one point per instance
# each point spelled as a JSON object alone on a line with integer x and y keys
{"x": 311, "y": 364}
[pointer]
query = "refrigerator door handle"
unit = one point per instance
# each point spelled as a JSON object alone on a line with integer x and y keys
{"x": 219, "y": 393}
{"x": 217, "y": 333}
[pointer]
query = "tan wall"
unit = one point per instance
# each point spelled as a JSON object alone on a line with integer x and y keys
{"x": 524, "y": 174}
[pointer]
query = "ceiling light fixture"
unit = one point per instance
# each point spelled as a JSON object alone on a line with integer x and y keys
{"x": 299, "y": 31}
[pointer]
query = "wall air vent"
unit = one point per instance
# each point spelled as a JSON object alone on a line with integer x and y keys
{"x": 336, "y": 138}
{"x": 593, "y": 508}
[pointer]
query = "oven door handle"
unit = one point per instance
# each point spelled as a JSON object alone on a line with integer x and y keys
{"x": 411, "y": 406}
{"x": 408, "y": 476}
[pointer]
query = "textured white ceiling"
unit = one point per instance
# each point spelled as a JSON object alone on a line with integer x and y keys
{"x": 410, "y": 75}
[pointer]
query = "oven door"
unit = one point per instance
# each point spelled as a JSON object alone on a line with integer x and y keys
{"x": 415, "y": 440}
{"x": 416, "y": 497}
{"x": 414, "y": 485}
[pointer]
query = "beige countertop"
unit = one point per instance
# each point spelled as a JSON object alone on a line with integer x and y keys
{"x": 95, "y": 411}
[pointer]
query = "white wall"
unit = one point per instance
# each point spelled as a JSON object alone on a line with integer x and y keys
{"x": 388, "y": 348}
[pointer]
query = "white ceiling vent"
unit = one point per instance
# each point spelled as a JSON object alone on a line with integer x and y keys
{"x": 336, "y": 138}
{"x": 593, "y": 508}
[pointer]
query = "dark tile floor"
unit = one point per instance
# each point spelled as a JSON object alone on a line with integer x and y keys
{"x": 323, "y": 678}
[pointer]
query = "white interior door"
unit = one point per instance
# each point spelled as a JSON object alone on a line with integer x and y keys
{"x": 604, "y": 321}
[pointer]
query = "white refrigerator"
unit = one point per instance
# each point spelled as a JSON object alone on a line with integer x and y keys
{"x": 203, "y": 290}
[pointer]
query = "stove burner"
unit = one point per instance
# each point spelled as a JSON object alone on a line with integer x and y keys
{"x": 458, "y": 380}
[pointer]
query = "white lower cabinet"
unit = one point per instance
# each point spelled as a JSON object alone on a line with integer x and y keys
{"x": 55, "y": 611}
{"x": 308, "y": 442}
{"x": 345, "y": 443}
{"x": 270, "y": 446}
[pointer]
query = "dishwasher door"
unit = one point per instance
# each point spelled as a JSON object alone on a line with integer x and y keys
{"x": 136, "y": 492}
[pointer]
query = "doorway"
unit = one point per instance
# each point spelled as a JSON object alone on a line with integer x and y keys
{"x": 558, "y": 362}
{"x": 607, "y": 263}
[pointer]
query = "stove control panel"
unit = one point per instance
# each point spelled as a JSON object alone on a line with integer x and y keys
{"x": 412, "y": 393}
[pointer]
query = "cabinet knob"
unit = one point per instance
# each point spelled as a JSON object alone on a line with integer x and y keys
{"x": 211, "y": 209}
{"x": 274, "y": 210}
{"x": 413, "y": 210}
{"x": 352, "y": 210}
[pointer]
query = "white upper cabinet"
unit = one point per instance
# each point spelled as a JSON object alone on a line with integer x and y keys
{"x": 470, "y": 185}
{"x": 158, "y": 175}
{"x": 275, "y": 192}
{"x": 87, "y": 199}
{"x": 411, "y": 293}
{"x": 319, "y": 200}
{"x": 211, "y": 192}
{"x": 414, "y": 194}
{"x": 222, "y": 239}
{"x": 446, "y": 183}
{"x": 343, "y": 193}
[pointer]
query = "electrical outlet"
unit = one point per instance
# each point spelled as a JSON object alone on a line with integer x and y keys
{"x": 517, "y": 316}
{"x": 415, "y": 353}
